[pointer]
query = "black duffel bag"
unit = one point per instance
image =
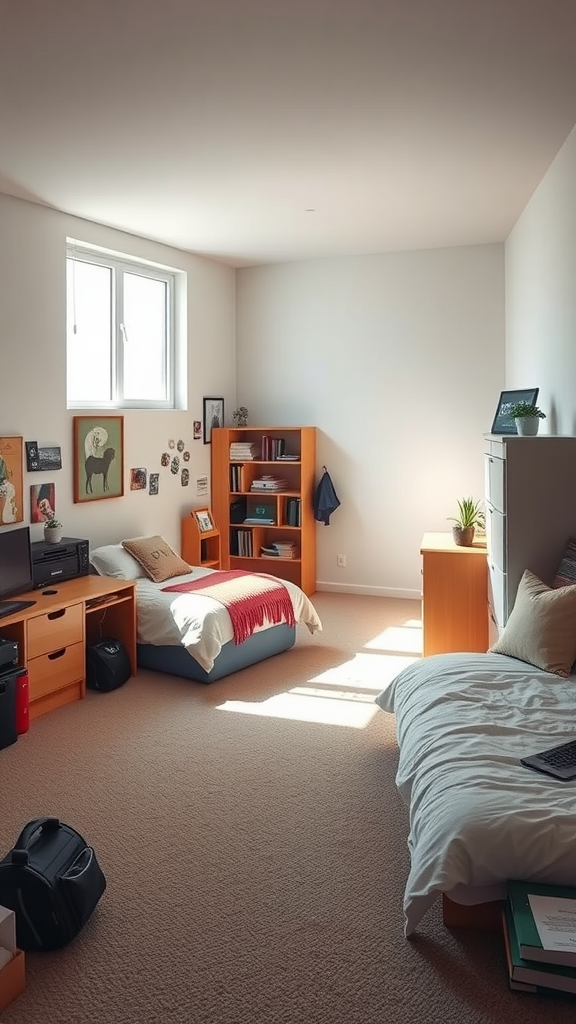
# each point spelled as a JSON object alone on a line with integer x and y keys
{"x": 52, "y": 881}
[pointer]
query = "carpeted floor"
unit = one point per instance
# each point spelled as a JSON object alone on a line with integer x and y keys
{"x": 254, "y": 846}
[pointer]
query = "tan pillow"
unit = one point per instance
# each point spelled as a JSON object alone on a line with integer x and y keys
{"x": 542, "y": 626}
{"x": 156, "y": 557}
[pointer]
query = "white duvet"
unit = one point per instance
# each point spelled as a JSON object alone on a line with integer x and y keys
{"x": 477, "y": 816}
{"x": 201, "y": 624}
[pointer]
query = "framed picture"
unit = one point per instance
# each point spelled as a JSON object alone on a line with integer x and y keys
{"x": 11, "y": 480}
{"x": 32, "y": 456}
{"x": 98, "y": 457}
{"x": 213, "y": 416}
{"x": 42, "y": 502}
{"x": 204, "y": 519}
{"x": 50, "y": 457}
{"x": 503, "y": 421}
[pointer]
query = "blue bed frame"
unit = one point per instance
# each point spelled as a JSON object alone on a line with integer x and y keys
{"x": 177, "y": 662}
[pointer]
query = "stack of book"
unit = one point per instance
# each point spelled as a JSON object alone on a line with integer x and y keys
{"x": 279, "y": 549}
{"x": 268, "y": 482}
{"x": 539, "y": 926}
{"x": 243, "y": 451}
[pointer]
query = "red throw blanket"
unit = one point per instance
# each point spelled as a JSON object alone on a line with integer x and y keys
{"x": 251, "y": 599}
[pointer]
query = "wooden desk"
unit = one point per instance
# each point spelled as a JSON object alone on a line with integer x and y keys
{"x": 53, "y": 633}
{"x": 454, "y": 595}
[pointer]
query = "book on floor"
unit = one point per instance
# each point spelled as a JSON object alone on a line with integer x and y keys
{"x": 555, "y": 977}
{"x": 545, "y": 921}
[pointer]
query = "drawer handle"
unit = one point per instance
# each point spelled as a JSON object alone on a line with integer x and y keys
{"x": 57, "y": 654}
{"x": 57, "y": 615}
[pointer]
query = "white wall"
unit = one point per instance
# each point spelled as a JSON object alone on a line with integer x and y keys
{"x": 540, "y": 267}
{"x": 33, "y": 346}
{"x": 398, "y": 359}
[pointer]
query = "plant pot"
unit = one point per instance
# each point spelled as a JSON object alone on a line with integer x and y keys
{"x": 527, "y": 426}
{"x": 53, "y": 535}
{"x": 463, "y": 536}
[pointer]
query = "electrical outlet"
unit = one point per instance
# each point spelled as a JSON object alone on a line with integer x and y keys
{"x": 341, "y": 561}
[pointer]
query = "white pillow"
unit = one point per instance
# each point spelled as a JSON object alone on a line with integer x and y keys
{"x": 114, "y": 560}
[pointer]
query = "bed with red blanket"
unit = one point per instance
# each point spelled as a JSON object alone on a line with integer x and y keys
{"x": 209, "y": 623}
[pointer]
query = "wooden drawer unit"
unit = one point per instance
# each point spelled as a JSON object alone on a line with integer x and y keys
{"x": 54, "y": 671}
{"x": 55, "y": 629}
{"x": 55, "y": 658}
{"x": 454, "y": 596}
{"x": 53, "y": 632}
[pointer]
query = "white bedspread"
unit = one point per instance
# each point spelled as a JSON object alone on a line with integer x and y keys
{"x": 201, "y": 624}
{"x": 477, "y": 816}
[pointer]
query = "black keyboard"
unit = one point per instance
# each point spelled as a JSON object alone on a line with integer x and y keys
{"x": 559, "y": 761}
{"x": 10, "y": 607}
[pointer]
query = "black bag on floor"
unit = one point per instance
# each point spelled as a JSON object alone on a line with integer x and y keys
{"x": 52, "y": 881}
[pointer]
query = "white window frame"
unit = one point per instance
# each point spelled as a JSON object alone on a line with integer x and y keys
{"x": 120, "y": 263}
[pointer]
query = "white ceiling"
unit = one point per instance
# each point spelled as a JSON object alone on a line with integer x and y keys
{"x": 263, "y": 130}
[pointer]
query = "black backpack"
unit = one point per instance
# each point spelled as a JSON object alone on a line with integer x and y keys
{"x": 52, "y": 881}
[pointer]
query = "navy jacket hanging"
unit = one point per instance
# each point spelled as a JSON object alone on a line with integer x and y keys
{"x": 325, "y": 499}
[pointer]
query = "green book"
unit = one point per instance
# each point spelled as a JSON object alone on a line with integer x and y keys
{"x": 530, "y": 943}
{"x": 528, "y": 972}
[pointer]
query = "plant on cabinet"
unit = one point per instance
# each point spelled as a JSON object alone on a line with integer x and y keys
{"x": 527, "y": 417}
{"x": 53, "y": 530}
{"x": 470, "y": 516}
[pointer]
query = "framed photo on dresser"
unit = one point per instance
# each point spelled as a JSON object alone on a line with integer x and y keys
{"x": 503, "y": 422}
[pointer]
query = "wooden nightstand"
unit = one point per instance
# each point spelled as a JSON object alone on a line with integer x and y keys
{"x": 454, "y": 595}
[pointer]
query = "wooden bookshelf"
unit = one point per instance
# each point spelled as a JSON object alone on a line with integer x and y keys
{"x": 233, "y": 501}
{"x": 200, "y": 546}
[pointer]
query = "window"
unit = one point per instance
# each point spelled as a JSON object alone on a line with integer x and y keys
{"x": 120, "y": 330}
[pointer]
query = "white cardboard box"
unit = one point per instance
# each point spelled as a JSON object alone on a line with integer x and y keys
{"x": 12, "y": 975}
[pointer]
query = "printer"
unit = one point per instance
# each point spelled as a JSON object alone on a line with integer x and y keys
{"x": 53, "y": 563}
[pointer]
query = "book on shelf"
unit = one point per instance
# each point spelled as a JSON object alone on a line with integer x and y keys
{"x": 279, "y": 549}
{"x": 293, "y": 506}
{"x": 530, "y": 975}
{"x": 259, "y": 521}
{"x": 272, "y": 447}
{"x": 269, "y": 483}
{"x": 545, "y": 921}
{"x": 243, "y": 451}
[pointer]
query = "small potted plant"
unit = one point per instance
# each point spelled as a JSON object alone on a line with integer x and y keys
{"x": 240, "y": 416}
{"x": 52, "y": 530}
{"x": 470, "y": 516}
{"x": 527, "y": 417}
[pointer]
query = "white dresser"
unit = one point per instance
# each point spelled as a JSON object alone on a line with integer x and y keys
{"x": 530, "y": 497}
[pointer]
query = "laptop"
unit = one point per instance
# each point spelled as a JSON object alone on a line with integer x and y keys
{"x": 558, "y": 761}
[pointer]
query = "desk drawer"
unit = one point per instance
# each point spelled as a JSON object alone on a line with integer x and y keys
{"x": 54, "y": 630}
{"x": 50, "y": 672}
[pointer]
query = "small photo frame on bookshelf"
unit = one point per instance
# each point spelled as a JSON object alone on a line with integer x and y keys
{"x": 203, "y": 517}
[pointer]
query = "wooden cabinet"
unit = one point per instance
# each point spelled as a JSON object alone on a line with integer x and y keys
{"x": 454, "y": 595}
{"x": 53, "y": 633}
{"x": 243, "y": 455}
{"x": 199, "y": 547}
{"x": 530, "y": 500}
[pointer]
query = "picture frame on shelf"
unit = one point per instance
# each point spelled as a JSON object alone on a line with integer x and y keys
{"x": 213, "y": 416}
{"x": 203, "y": 517}
{"x": 503, "y": 422}
{"x": 98, "y": 457}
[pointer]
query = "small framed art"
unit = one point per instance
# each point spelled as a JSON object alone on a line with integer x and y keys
{"x": 204, "y": 519}
{"x": 503, "y": 422}
{"x": 98, "y": 457}
{"x": 213, "y": 416}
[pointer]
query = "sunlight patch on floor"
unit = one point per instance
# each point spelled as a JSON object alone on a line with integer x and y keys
{"x": 343, "y": 695}
{"x": 407, "y": 637}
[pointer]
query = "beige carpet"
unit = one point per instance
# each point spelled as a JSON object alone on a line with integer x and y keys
{"x": 254, "y": 846}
